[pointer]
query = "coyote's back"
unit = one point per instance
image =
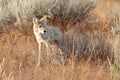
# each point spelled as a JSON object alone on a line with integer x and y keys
{"x": 54, "y": 34}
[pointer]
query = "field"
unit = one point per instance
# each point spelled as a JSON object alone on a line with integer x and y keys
{"x": 89, "y": 50}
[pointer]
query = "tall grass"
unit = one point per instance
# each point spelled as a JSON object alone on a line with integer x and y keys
{"x": 86, "y": 46}
{"x": 115, "y": 66}
{"x": 25, "y": 10}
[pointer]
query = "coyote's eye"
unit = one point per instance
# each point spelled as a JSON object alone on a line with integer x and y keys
{"x": 40, "y": 26}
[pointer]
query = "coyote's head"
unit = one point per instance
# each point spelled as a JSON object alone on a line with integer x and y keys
{"x": 40, "y": 24}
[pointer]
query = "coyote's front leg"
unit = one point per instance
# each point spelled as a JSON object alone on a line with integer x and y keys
{"x": 39, "y": 55}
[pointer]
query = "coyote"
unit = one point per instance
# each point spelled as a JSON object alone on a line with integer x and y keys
{"x": 45, "y": 34}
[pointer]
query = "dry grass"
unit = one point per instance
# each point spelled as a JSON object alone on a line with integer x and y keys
{"x": 88, "y": 49}
{"x": 85, "y": 56}
{"x": 72, "y": 71}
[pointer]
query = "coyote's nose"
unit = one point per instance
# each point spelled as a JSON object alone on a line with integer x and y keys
{"x": 44, "y": 31}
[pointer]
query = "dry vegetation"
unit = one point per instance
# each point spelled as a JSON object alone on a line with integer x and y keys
{"x": 90, "y": 47}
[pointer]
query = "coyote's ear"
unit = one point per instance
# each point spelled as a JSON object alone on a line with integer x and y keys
{"x": 35, "y": 20}
{"x": 44, "y": 18}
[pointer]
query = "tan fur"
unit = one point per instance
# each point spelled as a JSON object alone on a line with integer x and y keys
{"x": 45, "y": 34}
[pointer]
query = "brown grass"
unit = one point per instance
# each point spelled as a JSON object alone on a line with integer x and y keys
{"x": 82, "y": 71}
{"x": 87, "y": 48}
{"x": 85, "y": 56}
